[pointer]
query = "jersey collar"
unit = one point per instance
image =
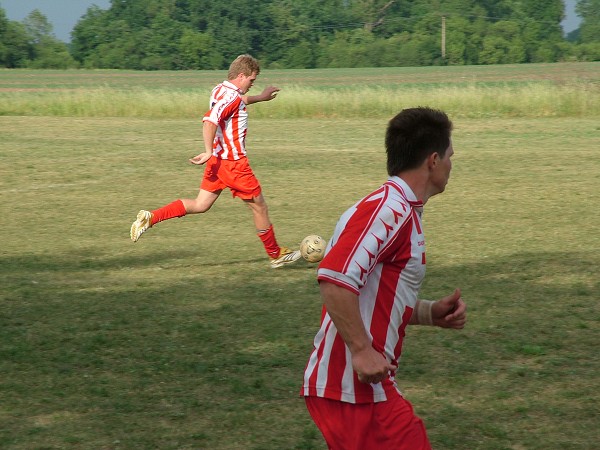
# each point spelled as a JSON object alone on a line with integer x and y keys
{"x": 230, "y": 85}
{"x": 401, "y": 185}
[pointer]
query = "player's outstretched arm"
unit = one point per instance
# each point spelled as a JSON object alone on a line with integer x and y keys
{"x": 268, "y": 93}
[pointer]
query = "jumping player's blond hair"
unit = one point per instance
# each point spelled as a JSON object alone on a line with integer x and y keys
{"x": 244, "y": 64}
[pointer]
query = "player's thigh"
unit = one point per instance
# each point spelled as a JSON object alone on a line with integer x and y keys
{"x": 206, "y": 199}
{"x": 372, "y": 426}
{"x": 211, "y": 181}
{"x": 240, "y": 179}
{"x": 396, "y": 425}
{"x": 343, "y": 425}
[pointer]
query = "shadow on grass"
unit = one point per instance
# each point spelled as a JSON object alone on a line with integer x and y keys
{"x": 183, "y": 356}
{"x": 92, "y": 259}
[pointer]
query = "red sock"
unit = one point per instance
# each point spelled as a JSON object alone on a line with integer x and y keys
{"x": 174, "y": 209}
{"x": 268, "y": 239}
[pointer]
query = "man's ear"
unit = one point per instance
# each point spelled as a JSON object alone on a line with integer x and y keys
{"x": 433, "y": 160}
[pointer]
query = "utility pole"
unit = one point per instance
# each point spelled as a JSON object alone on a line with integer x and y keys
{"x": 443, "y": 37}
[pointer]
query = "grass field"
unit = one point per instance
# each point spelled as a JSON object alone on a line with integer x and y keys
{"x": 187, "y": 340}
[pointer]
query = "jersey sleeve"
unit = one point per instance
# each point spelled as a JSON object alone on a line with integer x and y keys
{"x": 366, "y": 234}
{"x": 222, "y": 109}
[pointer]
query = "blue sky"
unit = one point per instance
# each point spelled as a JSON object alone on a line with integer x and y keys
{"x": 64, "y": 14}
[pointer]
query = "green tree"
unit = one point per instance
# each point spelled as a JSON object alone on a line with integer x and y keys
{"x": 50, "y": 53}
{"x": 3, "y": 29}
{"x": 588, "y": 52}
{"x": 161, "y": 41}
{"x": 180, "y": 34}
{"x": 196, "y": 51}
{"x": 589, "y": 11}
{"x": 288, "y": 40}
{"x": 46, "y": 52}
{"x": 349, "y": 48}
{"x": 14, "y": 43}
{"x": 37, "y": 26}
{"x": 541, "y": 31}
{"x": 504, "y": 42}
{"x": 89, "y": 33}
{"x": 457, "y": 40}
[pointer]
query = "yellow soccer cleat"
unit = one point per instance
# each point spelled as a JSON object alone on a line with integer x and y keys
{"x": 286, "y": 256}
{"x": 141, "y": 224}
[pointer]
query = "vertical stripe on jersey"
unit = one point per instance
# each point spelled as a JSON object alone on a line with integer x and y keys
{"x": 315, "y": 378}
{"x": 382, "y": 322}
{"x": 338, "y": 367}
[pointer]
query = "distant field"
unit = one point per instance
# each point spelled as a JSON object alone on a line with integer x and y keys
{"x": 320, "y": 78}
{"x": 532, "y": 90}
{"x": 187, "y": 340}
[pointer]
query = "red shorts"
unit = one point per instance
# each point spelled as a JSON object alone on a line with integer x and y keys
{"x": 391, "y": 424}
{"x": 235, "y": 175}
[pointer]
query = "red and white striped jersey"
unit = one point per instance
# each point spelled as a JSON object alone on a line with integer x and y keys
{"x": 378, "y": 252}
{"x": 228, "y": 112}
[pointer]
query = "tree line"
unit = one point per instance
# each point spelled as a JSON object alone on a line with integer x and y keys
{"x": 208, "y": 34}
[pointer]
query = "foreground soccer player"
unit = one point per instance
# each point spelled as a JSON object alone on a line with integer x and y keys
{"x": 369, "y": 280}
{"x": 224, "y": 132}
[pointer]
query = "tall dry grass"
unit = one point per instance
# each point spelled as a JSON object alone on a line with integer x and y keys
{"x": 531, "y": 100}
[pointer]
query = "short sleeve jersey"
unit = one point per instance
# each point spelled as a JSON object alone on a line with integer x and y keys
{"x": 378, "y": 252}
{"x": 228, "y": 112}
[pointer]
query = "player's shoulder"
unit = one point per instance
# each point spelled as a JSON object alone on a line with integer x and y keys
{"x": 384, "y": 205}
{"x": 225, "y": 92}
{"x": 395, "y": 207}
{"x": 386, "y": 193}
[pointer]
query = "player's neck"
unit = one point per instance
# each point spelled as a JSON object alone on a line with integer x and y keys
{"x": 417, "y": 181}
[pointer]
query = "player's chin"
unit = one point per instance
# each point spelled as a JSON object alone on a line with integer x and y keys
{"x": 442, "y": 187}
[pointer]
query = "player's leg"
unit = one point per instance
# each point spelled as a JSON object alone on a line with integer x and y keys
{"x": 260, "y": 212}
{"x": 343, "y": 425}
{"x": 365, "y": 426}
{"x": 240, "y": 179}
{"x": 202, "y": 202}
{"x": 210, "y": 189}
{"x": 262, "y": 223}
{"x": 396, "y": 424}
{"x": 178, "y": 208}
{"x": 264, "y": 229}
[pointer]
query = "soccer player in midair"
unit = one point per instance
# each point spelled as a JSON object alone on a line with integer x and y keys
{"x": 224, "y": 134}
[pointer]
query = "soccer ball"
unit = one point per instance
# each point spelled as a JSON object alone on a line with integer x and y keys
{"x": 312, "y": 248}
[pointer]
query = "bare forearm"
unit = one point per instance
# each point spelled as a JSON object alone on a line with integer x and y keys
{"x": 267, "y": 94}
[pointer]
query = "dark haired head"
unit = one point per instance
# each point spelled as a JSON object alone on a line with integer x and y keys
{"x": 414, "y": 134}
